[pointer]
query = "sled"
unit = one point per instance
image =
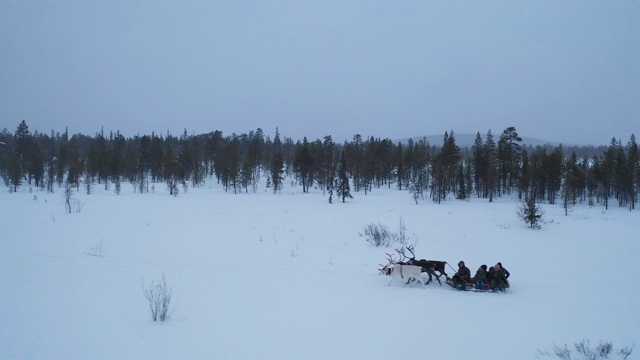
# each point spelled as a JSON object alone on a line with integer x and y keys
{"x": 472, "y": 287}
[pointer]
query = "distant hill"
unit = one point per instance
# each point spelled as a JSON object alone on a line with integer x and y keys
{"x": 467, "y": 140}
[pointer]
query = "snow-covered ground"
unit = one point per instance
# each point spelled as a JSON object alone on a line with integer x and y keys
{"x": 287, "y": 276}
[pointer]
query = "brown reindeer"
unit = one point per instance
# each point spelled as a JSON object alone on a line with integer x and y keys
{"x": 428, "y": 266}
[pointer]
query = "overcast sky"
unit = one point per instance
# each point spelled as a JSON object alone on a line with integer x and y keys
{"x": 562, "y": 71}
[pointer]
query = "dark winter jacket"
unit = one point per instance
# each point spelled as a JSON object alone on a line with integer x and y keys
{"x": 506, "y": 273}
{"x": 463, "y": 272}
{"x": 490, "y": 273}
{"x": 499, "y": 276}
{"x": 481, "y": 275}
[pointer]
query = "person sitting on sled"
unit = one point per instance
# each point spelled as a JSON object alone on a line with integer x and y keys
{"x": 506, "y": 274}
{"x": 481, "y": 277}
{"x": 498, "y": 279}
{"x": 462, "y": 277}
{"x": 490, "y": 274}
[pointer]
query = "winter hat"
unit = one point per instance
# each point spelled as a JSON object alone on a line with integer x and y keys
{"x": 497, "y": 266}
{"x": 461, "y": 263}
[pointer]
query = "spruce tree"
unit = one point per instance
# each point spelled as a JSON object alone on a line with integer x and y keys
{"x": 343, "y": 189}
{"x": 399, "y": 166}
{"x": 570, "y": 183}
{"x": 489, "y": 155}
{"x": 462, "y": 193}
{"x": 438, "y": 186}
{"x": 632, "y": 175}
{"x": 479, "y": 164}
{"x": 332, "y": 181}
{"x": 277, "y": 169}
{"x": 13, "y": 177}
{"x": 530, "y": 213}
{"x": 303, "y": 164}
{"x": 524, "y": 182}
{"x": 450, "y": 154}
{"x": 22, "y": 143}
{"x": 509, "y": 159}
{"x": 328, "y": 164}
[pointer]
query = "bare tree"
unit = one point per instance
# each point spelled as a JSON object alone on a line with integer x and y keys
{"x": 68, "y": 193}
{"x": 583, "y": 351}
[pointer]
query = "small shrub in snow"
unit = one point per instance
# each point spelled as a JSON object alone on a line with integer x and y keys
{"x": 77, "y": 205}
{"x": 96, "y": 250}
{"x": 400, "y": 236}
{"x": 584, "y": 351}
{"x": 159, "y": 297}
{"x": 377, "y": 235}
{"x": 416, "y": 191}
{"x": 71, "y": 203}
{"x": 172, "y": 186}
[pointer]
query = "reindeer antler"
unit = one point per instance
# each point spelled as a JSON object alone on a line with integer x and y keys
{"x": 400, "y": 251}
{"x": 391, "y": 260}
{"x": 410, "y": 248}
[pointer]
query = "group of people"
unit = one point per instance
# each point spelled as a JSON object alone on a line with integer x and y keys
{"x": 494, "y": 278}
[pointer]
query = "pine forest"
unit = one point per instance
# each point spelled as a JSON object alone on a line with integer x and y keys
{"x": 494, "y": 166}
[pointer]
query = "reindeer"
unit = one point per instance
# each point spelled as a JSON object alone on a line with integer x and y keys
{"x": 428, "y": 266}
{"x": 397, "y": 268}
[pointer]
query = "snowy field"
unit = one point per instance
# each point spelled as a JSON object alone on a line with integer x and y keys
{"x": 287, "y": 276}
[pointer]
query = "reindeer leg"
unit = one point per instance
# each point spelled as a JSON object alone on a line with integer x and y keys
{"x": 431, "y": 275}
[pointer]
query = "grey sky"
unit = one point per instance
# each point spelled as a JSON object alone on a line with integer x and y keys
{"x": 564, "y": 71}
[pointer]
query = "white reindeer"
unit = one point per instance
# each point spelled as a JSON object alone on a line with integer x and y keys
{"x": 409, "y": 272}
{"x": 399, "y": 268}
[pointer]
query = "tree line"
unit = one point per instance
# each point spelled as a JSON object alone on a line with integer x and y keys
{"x": 491, "y": 167}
